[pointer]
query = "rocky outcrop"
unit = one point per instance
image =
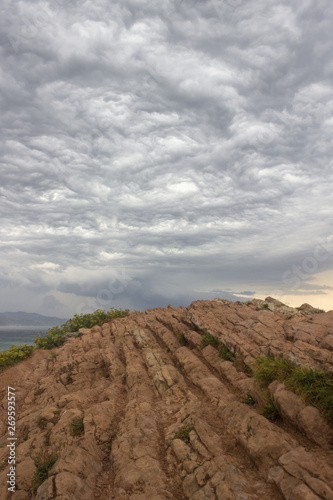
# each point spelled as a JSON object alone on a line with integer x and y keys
{"x": 138, "y": 409}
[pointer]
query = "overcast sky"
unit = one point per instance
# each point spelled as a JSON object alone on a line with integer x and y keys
{"x": 155, "y": 153}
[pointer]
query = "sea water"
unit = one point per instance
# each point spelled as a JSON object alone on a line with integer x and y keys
{"x": 10, "y": 335}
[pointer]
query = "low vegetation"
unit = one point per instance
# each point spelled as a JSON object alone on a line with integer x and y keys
{"x": 313, "y": 311}
{"x": 43, "y": 466}
{"x": 42, "y": 423}
{"x": 184, "y": 433}
{"x": 270, "y": 409}
{"x": 181, "y": 339}
{"x": 208, "y": 339}
{"x": 57, "y": 335}
{"x": 243, "y": 367}
{"x": 249, "y": 400}
{"x": 314, "y": 386}
{"x": 14, "y": 355}
{"x": 47, "y": 438}
{"x": 225, "y": 353}
{"x": 77, "y": 427}
{"x": 266, "y": 369}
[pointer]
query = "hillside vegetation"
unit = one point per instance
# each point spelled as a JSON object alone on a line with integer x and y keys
{"x": 57, "y": 335}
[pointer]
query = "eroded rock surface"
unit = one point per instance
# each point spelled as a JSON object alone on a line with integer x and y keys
{"x": 138, "y": 409}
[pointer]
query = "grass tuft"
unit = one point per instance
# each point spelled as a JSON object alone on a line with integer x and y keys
{"x": 266, "y": 370}
{"x": 314, "y": 386}
{"x": 249, "y": 400}
{"x": 47, "y": 438}
{"x": 43, "y": 466}
{"x": 184, "y": 432}
{"x": 208, "y": 339}
{"x": 271, "y": 410}
{"x": 77, "y": 427}
{"x": 225, "y": 353}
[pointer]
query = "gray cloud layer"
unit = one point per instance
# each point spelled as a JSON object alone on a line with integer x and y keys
{"x": 186, "y": 145}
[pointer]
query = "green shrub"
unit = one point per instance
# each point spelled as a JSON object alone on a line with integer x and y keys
{"x": 208, "y": 339}
{"x": 14, "y": 355}
{"x": 225, "y": 353}
{"x": 184, "y": 432}
{"x": 43, "y": 466}
{"x": 56, "y": 335}
{"x": 77, "y": 427}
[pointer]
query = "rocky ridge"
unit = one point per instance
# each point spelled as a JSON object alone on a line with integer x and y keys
{"x": 138, "y": 409}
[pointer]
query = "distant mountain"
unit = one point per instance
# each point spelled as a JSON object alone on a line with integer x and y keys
{"x": 20, "y": 318}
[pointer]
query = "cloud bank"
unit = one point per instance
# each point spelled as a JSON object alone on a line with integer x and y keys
{"x": 155, "y": 154}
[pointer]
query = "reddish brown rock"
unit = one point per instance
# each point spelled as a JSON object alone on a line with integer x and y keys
{"x": 159, "y": 416}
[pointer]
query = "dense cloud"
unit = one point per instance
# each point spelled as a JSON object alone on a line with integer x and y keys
{"x": 155, "y": 154}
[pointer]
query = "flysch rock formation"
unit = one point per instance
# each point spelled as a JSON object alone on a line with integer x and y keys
{"x": 162, "y": 420}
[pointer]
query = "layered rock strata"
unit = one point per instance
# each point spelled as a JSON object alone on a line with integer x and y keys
{"x": 156, "y": 419}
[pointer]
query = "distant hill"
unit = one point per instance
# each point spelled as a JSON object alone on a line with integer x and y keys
{"x": 21, "y": 318}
